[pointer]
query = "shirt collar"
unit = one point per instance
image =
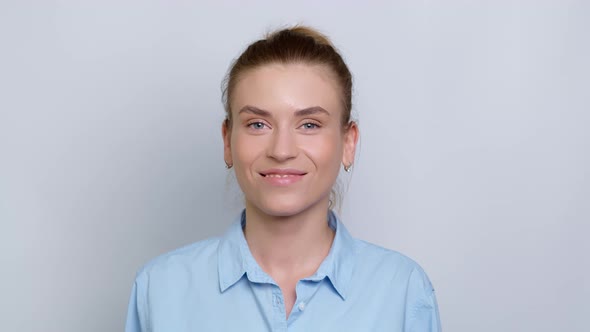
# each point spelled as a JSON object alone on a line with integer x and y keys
{"x": 235, "y": 258}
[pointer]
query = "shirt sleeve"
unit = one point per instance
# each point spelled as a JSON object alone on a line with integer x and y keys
{"x": 422, "y": 308}
{"x": 135, "y": 313}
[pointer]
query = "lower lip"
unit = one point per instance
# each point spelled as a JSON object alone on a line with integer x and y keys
{"x": 282, "y": 181}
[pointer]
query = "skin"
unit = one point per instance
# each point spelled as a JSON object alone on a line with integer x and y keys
{"x": 287, "y": 118}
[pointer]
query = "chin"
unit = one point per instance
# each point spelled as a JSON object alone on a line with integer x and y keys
{"x": 286, "y": 210}
{"x": 282, "y": 207}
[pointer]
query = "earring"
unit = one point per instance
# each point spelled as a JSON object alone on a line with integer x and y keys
{"x": 347, "y": 168}
{"x": 228, "y": 166}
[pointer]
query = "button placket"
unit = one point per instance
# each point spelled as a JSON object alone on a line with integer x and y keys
{"x": 301, "y": 306}
{"x": 279, "y": 322}
{"x": 277, "y": 300}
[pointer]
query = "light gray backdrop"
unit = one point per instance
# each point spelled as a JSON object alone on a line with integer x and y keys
{"x": 474, "y": 158}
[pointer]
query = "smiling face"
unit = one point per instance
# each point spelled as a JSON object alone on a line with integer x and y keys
{"x": 287, "y": 141}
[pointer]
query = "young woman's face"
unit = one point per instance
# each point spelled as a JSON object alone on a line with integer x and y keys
{"x": 287, "y": 142}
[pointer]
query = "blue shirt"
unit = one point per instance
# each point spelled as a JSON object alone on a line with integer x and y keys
{"x": 216, "y": 285}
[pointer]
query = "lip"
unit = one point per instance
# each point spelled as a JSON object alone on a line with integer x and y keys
{"x": 282, "y": 176}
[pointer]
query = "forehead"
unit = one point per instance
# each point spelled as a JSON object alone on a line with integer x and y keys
{"x": 287, "y": 87}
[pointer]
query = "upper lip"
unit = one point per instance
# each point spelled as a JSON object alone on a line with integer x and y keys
{"x": 282, "y": 171}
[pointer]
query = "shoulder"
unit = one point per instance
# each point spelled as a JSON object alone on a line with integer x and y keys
{"x": 162, "y": 283}
{"x": 398, "y": 278}
{"x": 185, "y": 258}
{"x": 392, "y": 265}
{"x": 402, "y": 283}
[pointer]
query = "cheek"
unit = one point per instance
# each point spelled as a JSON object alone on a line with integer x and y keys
{"x": 245, "y": 148}
{"x": 325, "y": 150}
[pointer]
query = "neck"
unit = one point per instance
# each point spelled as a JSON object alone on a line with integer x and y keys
{"x": 289, "y": 246}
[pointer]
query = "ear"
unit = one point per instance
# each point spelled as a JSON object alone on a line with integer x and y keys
{"x": 351, "y": 136}
{"x": 226, "y": 134}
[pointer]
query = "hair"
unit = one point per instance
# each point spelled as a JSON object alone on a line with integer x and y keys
{"x": 293, "y": 45}
{"x": 297, "y": 44}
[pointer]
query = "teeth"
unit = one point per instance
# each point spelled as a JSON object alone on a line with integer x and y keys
{"x": 279, "y": 175}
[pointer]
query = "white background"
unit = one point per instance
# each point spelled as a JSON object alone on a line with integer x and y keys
{"x": 474, "y": 156}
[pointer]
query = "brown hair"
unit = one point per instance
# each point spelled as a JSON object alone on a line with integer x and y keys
{"x": 297, "y": 44}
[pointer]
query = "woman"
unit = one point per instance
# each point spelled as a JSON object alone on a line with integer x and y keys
{"x": 287, "y": 263}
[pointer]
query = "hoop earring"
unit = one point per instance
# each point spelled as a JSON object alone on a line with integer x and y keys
{"x": 347, "y": 168}
{"x": 228, "y": 166}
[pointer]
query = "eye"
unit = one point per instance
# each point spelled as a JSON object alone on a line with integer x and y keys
{"x": 310, "y": 125}
{"x": 256, "y": 125}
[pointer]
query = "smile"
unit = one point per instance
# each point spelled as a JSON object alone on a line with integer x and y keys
{"x": 282, "y": 177}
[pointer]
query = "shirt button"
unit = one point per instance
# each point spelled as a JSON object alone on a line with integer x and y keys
{"x": 301, "y": 306}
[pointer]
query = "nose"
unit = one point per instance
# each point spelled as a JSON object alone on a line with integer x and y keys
{"x": 283, "y": 145}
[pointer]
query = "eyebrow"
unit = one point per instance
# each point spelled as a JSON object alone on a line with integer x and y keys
{"x": 254, "y": 110}
{"x": 303, "y": 112}
{"x": 311, "y": 111}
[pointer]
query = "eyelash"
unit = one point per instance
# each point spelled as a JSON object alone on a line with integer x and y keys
{"x": 315, "y": 125}
{"x": 251, "y": 125}
{"x": 304, "y": 126}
